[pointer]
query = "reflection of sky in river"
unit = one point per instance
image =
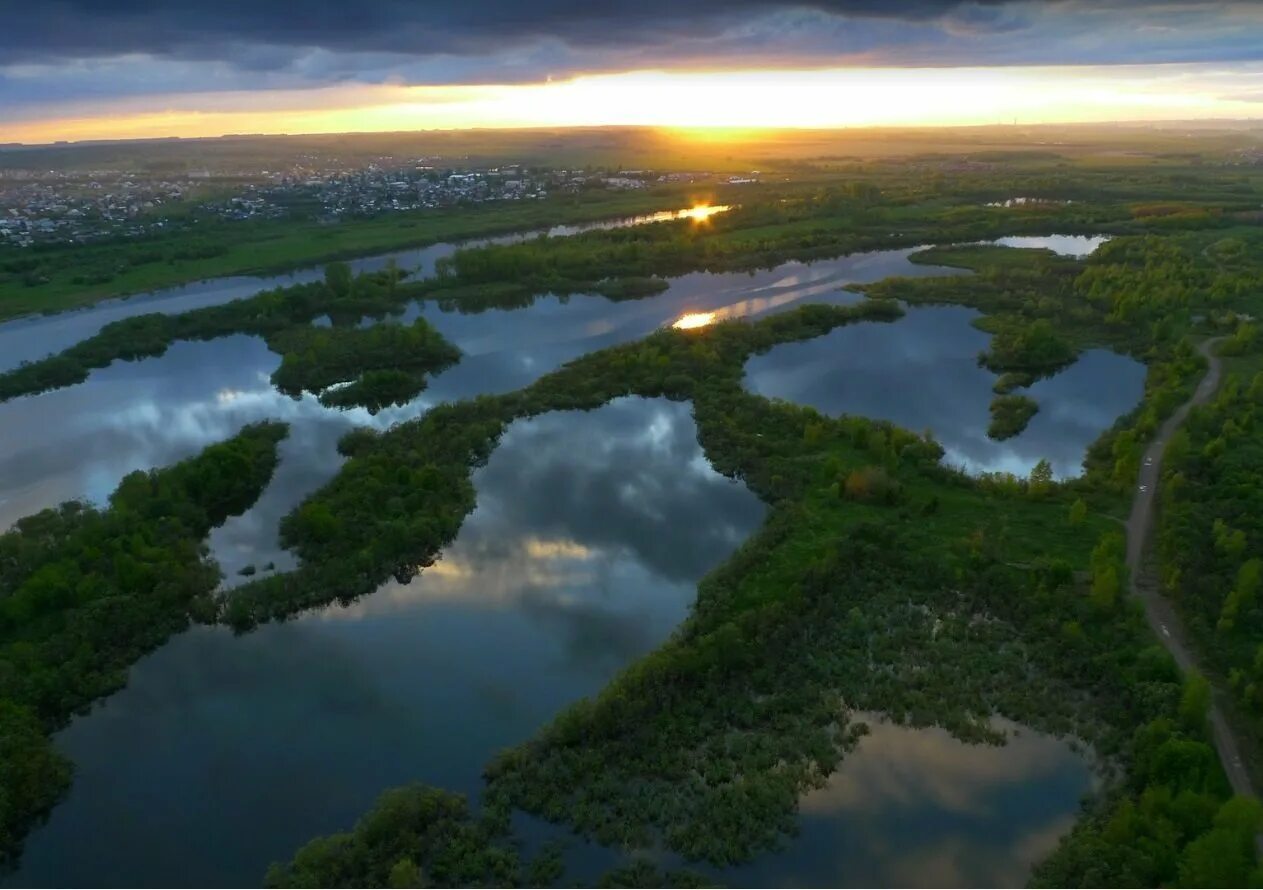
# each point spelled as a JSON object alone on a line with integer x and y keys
{"x": 225, "y": 753}
{"x": 916, "y": 808}
{"x": 34, "y": 337}
{"x": 921, "y": 372}
{"x": 78, "y": 442}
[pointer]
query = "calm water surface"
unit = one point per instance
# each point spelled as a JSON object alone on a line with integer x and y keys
{"x": 922, "y": 373}
{"x": 79, "y": 441}
{"x": 34, "y": 337}
{"x": 916, "y": 808}
{"x": 1066, "y": 245}
{"x": 225, "y": 753}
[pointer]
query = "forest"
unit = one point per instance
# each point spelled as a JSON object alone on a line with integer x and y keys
{"x": 882, "y": 581}
{"x": 86, "y": 591}
{"x": 723, "y": 729}
{"x": 1210, "y": 537}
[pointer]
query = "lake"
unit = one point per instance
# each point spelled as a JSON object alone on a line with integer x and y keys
{"x": 922, "y": 373}
{"x": 225, "y": 753}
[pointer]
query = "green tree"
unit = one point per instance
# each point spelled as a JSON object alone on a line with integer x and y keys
{"x": 1106, "y": 586}
{"x": 338, "y": 278}
{"x": 405, "y": 873}
{"x": 1195, "y": 703}
{"x": 1041, "y": 477}
{"x": 1218, "y": 858}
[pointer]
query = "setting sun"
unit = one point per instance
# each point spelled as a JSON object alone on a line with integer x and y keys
{"x": 701, "y": 104}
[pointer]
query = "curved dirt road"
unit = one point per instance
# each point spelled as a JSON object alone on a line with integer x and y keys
{"x": 1158, "y": 609}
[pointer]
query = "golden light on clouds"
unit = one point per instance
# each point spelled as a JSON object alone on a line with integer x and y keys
{"x": 561, "y": 548}
{"x": 694, "y": 101}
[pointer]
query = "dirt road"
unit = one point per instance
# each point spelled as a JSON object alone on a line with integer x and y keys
{"x": 1158, "y": 609}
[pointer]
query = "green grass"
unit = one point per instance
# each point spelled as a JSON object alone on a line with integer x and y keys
{"x": 276, "y": 246}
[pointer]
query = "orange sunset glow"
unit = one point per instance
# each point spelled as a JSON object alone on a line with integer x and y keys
{"x": 685, "y": 100}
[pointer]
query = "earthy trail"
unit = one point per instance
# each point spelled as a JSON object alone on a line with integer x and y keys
{"x": 1158, "y": 609}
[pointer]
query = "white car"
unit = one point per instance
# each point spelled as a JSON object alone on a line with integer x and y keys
{"x": 1144, "y": 488}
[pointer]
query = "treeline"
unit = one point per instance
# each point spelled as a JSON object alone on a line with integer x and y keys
{"x": 85, "y": 592}
{"x": 1153, "y": 280}
{"x": 420, "y": 836}
{"x": 55, "y": 276}
{"x": 758, "y": 234}
{"x": 1210, "y": 537}
{"x": 1113, "y": 460}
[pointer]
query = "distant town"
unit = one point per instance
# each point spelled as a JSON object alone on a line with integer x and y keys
{"x": 47, "y": 207}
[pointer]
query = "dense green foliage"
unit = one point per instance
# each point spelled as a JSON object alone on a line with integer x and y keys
{"x": 1170, "y": 826}
{"x": 1211, "y": 537}
{"x": 85, "y": 592}
{"x": 837, "y": 604}
{"x": 415, "y": 836}
{"x": 381, "y": 365}
{"x": 1033, "y": 349}
{"x": 882, "y": 581}
{"x": 864, "y": 591}
{"x": 1010, "y": 414}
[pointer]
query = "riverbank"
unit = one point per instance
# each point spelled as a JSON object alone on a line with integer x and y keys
{"x": 259, "y": 249}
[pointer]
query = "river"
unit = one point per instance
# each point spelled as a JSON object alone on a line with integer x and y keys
{"x": 225, "y": 753}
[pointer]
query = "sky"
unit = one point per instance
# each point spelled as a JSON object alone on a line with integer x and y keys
{"x": 99, "y": 69}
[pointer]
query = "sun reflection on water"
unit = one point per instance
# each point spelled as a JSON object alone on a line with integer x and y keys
{"x": 702, "y": 212}
{"x": 692, "y": 320}
{"x": 699, "y": 213}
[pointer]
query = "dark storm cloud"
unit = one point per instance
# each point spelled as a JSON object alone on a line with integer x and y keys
{"x": 73, "y": 53}
{"x": 51, "y": 29}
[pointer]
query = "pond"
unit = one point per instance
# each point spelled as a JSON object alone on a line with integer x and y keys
{"x": 226, "y": 753}
{"x": 1077, "y": 246}
{"x": 917, "y": 808}
{"x": 922, "y": 373}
